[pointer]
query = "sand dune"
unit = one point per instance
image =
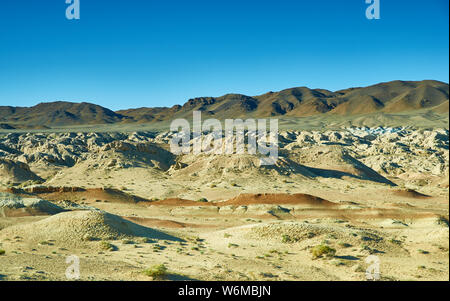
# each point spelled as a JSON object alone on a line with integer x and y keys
{"x": 77, "y": 227}
{"x": 277, "y": 198}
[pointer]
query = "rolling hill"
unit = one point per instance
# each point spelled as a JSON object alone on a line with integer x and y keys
{"x": 388, "y": 97}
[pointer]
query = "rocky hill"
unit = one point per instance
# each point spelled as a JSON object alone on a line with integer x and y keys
{"x": 389, "y": 97}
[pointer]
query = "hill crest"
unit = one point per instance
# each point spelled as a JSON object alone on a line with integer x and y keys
{"x": 388, "y": 97}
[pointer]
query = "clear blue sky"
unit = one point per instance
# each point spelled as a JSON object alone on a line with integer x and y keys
{"x": 134, "y": 53}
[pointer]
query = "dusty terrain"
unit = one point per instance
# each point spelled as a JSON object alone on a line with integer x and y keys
{"x": 358, "y": 190}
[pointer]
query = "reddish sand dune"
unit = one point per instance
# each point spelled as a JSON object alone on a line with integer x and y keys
{"x": 108, "y": 194}
{"x": 179, "y": 202}
{"x": 252, "y": 199}
{"x": 277, "y": 198}
{"x": 116, "y": 196}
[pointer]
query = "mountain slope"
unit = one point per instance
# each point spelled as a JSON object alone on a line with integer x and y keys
{"x": 58, "y": 114}
{"x": 389, "y": 97}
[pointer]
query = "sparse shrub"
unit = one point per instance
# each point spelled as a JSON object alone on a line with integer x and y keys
{"x": 230, "y": 245}
{"x": 157, "y": 271}
{"x": 344, "y": 245}
{"x": 226, "y": 235}
{"x": 330, "y": 236}
{"x": 89, "y": 238}
{"x": 442, "y": 248}
{"x": 369, "y": 249}
{"x": 423, "y": 251}
{"x": 128, "y": 242}
{"x": 286, "y": 239}
{"x": 106, "y": 246}
{"x": 46, "y": 243}
{"x": 395, "y": 241}
{"x": 2, "y": 252}
{"x": 422, "y": 182}
{"x": 311, "y": 235}
{"x": 234, "y": 184}
{"x": 268, "y": 275}
{"x": 339, "y": 263}
{"x": 202, "y": 200}
{"x": 340, "y": 221}
{"x": 321, "y": 250}
{"x": 147, "y": 240}
{"x": 359, "y": 269}
{"x": 443, "y": 221}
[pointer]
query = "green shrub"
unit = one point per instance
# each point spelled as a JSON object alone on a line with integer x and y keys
{"x": 106, "y": 246}
{"x": 2, "y": 252}
{"x": 321, "y": 250}
{"x": 443, "y": 221}
{"x": 395, "y": 241}
{"x": 286, "y": 239}
{"x": 202, "y": 200}
{"x": 46, "y": 243}
{"x": 157, "y": 271}
{"x": 89, "y": 238}
{"x": 345, "y": 245}
{"x": 147, "y": 240}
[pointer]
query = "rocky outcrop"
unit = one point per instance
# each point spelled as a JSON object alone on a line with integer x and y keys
{"x": 14, "y": 172}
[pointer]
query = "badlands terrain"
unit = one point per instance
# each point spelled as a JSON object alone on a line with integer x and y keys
{"x": 362, "y": 172}
{"x": 123, "y": 203}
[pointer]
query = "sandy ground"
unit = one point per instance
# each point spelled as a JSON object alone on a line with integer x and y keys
{"x": 252, "y": 224}
{"x": 245, "y": 242}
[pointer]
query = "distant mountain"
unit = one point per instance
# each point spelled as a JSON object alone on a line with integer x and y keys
{"x": 389, "y": 97}
{"x": 58, "y": 114}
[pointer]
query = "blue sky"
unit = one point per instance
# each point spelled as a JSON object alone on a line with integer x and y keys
{"x": 134, "y": 53}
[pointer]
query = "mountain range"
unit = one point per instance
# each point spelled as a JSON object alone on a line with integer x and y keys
{"x": 388, "y": 97}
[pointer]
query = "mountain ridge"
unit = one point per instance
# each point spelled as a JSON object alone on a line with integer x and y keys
{"x": 388, "y": 97}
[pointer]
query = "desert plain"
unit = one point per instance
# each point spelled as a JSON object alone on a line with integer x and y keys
{"x": 345, "y": 193}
